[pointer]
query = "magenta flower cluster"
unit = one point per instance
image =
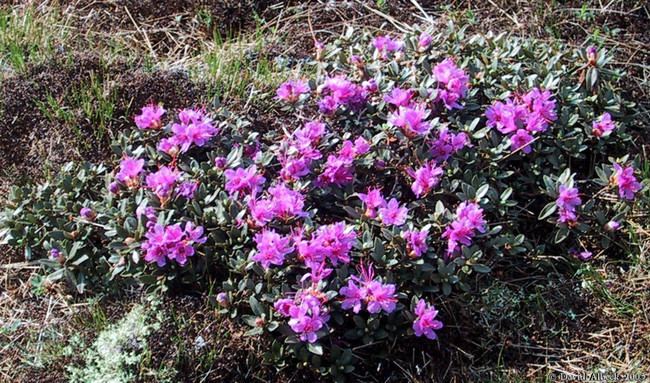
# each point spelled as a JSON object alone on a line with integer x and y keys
{"x": 522, "y": 117}
{"x": 172, "y": 243}
{"x": 425, "y": 322}
{"x": 567, "y": 201}
{"x": 469, "y": 220}
{"x": 366, "y": 290}
{"x": 306, "y": 311}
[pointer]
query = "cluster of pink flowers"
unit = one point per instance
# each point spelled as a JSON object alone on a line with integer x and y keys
{"x": 392, "y": 213}
{"x": 412, "y": 120}
{"x": 282, "y": 202}
{"x": 389, "y": 213}
{"x": 416, "y": 242}
{"x": 425, "y": 322}
{"x": 567, "y": 201}
{"x": 162, "y": 182}
{"x": 339, "y": 91}
{"x": 461, "y": 231}
{"x": 425, "y": 178}
{"x": 339, "y": 168}
{"x": 307, "y": 312}
{"x": 627, "y": 183}
{"x": 385, "y": 46}
{"x": 172, "y": 243}
{"x": 452, "y": 83}
{"x": 603, "y": 126}
{"x": 447, "y": 144}
{"x": 523, "y": 117}
{"x": 329, "y": 242}
{"x": 271, "y": 248}
{"x": 129, "y": 173}
{"x": 298, "y": 151}
{"x": 243, "y": 181}
{"x": 150, "y": 117}
{"x": 291, "y": 90}
{"x": 376, "y": 296}
{"x": 194, "y": 128}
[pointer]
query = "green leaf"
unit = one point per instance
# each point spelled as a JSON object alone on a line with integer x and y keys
{"x": 315, "y": 348}
{"x": 479, "y": 268}
{"x": 547, "y": 210}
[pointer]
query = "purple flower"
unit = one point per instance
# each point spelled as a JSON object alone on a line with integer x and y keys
{"x": 334, "y": 241}
{"x": 187, "y": 189}
{"x": 271, "y": 248}
{"x": 306, "y": 324}
{"x": 373, "y": 200}
{"x": 223, "y": 300}
{"x": 612, "y": 226}
{"x": 306, "y": 311}
{"x": 261, "y": 211}
{"x": 399, "y": 97}
{"x": 541, "y": 107}
{"x": 461, "y": 231}
{"x": 452, "y": 83}
{"x": 582, "y": 255}
{"x": 130, "y": 169}
{"x": 55, "y": 254}
{"x": 426, "y": 178}
{"x": 220, "y": 162}
{"x": 424, "y": 41}
{"x": 243, "y": 180}
{"x": 286, "y": 203}
{"x": 150, "y": 116}
{"x": 327, "y": 105}
{"x": 521, "y": 140}
{"x": 393, "y": 213}
{"x": 504, "y": 117}
{"x": 425, "y": 322}
{"x": 291, "y": 90}
{"x": 87, "y": 213}
{"x": 370, "y": 86}
{"x": 338, "y": 171}
{"x": 416, "y": 242}
{"x": 411, "y": 120}
{"x": 603, "y": 126}
{"x": 376, "y": 295}
{"x": 448, "y": 144}
{"x": 195, "y": 128}
{"x": 385, "y": 45}
{"x": 162, "y": 182}
{"x": 626, "y": 181}
{"x": 567, "y": 201}
{"x": 172, "y": 243}
{"x": 114, "y": 187}
{"x": 342, "y": 92}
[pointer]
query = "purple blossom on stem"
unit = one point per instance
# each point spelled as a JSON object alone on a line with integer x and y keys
{"x": 130, "y": 169}
{"x": 87, "y": 213}
{"x": 150, "y": 116}
{"x": 385, "y": 45}
{"x": 461, "y": 231}
{"x": 172, "y": 242}
{"x": 416, "y": 242}
{"x": 399, "y": 97}
{"x": 271, "y": 248}
{"x": 162, "y": 182}
{"x": 424, "y": 41}
{"x": 373, "y": 200}
{"x": 452, "y": 83}
{"x": 393, "y": 213}
{"x": 377, "y": 296}
{"x": 246, "y": 181}
{"x": 567, "y": 201}
{"x": 425, "y": 178}
{"x": 603, "y": 126}
{"x": 521, "y": 140}
{"x": 425, "y": 322}
{"x": 291, "y": 90}
{"x": 411, "y": 120}
{"x": 627, "y": 183}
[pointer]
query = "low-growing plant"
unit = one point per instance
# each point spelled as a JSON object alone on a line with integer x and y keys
{"x": 412, "y": 166}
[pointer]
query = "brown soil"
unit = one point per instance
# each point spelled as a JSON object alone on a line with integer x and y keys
{"x": 32, "y": 140}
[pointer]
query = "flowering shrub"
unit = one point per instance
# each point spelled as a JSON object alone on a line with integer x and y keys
{"x": 415, "y": 162}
